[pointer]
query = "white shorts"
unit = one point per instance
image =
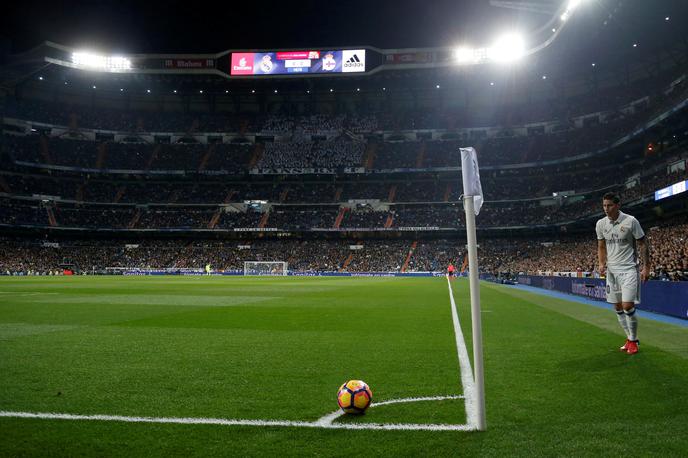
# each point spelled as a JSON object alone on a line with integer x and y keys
{"x": 623, "y": 287}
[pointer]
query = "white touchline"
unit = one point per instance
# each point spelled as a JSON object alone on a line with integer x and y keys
{"x": 240, "y": 422}
{"x": 465, "y": 366}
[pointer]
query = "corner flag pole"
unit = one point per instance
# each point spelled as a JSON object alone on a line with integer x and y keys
{"x": 473, "y": 200}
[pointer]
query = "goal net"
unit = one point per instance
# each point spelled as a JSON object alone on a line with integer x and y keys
{"x": 265, "y": 268}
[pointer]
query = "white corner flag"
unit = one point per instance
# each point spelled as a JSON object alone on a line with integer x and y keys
{"x": 471, "y": 177}
{"x": 472, "y": 202}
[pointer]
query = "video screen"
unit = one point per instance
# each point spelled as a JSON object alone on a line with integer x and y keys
{"x": 297, "y": 62}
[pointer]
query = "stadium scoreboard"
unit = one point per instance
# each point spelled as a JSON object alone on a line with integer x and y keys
{"x": 298, "y": 62}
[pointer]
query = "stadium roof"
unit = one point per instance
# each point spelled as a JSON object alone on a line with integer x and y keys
{"x": 606, "y": 34}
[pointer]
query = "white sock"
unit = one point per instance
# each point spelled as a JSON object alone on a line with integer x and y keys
{"x": 632, "y": 323}
{"x": 624, "y": 323}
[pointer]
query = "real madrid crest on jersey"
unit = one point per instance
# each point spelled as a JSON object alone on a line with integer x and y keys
{"x": 328, "y": 62}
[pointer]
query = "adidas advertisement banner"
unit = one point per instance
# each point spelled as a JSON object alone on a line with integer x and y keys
{"x": 353, "y": 60}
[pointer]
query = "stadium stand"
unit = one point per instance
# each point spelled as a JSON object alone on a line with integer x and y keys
{"x": 102, "y": 187}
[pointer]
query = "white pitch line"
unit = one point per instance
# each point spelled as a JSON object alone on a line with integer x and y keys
{"x": 331, "y": 417}
{"x": 231, "y": 422}
{"x": 465, "y": 365}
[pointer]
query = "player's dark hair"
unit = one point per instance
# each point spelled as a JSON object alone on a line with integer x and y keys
{"x": 612, "y": 196}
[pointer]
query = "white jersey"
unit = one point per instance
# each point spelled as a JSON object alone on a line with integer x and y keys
{"x": 620, "y": 236}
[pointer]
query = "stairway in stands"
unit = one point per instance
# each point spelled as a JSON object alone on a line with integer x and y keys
{"x": 408, "y": 256}
{"x": 340, "y": 217}
{"x": 45, "y": 150}
{"x": 421, "y": 156}
{"x": 256, "y": 156}
{"x": 51, "y": 217}
{"x": 369, "y": 155}
{"x": 264, "y": 220}
{"x": 135, "y": 219}
{"x": 206, "y": 157}
{"x": 102, "y": 156}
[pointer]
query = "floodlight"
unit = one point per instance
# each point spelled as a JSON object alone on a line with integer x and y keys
{"x": 464, "y": 55}
{"x": 507, "y": 48}
{"x": 92, "y": 61}
{"x": 573, "y": 4}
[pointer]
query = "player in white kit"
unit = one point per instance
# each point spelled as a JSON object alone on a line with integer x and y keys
{"x": 619, "y": 240}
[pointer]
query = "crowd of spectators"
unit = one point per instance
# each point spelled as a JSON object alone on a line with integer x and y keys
{"x": 668, "y": 254}
{"x": 317, "y": 123}
{"x": 333, "y": 154}
{"x": 499, "y": 256}
{"x": 92, "y": 203}
{"x": 87, "y": 154}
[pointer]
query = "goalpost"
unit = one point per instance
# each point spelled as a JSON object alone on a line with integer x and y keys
{"x": 265, "y": 268}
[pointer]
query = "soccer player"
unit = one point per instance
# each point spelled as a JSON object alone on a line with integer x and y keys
{"x": 207, "y": 269}
{"x": 450, "y": 271}
{"x": 619, "y": 239}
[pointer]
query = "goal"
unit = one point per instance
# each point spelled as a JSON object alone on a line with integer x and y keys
{"x": 265, "y": 268}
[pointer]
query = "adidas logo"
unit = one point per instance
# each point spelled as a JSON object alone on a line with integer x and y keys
{"x": 353, "y": 62}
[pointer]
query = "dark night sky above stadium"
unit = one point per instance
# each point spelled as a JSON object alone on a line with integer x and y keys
{"x": 205, "y": 27}
{"x": 208, "y": 27}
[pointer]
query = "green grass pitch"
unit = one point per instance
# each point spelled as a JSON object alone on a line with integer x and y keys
{"x": 278, "y": 349}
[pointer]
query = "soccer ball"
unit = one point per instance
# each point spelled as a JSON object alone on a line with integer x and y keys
{"x": 354, "y": 397}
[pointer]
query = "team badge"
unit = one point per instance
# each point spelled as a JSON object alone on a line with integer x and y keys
{"x": 266, "y": 64}
{"x": 328, "y": 62}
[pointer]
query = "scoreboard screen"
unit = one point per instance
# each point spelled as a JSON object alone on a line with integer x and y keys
{"x": 297, "y": 62}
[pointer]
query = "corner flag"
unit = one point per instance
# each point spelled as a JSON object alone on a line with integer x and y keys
{"x": 472, "y": 202}
{"x": 471, "y": 177}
